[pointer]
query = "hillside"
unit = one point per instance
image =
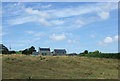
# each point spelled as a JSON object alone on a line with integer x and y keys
{"x": 58, "y": 67}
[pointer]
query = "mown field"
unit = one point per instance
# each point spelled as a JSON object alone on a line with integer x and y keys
{"x": 58, "y": 67}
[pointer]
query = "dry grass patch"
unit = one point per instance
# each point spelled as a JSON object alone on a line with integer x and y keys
{"x": 58, "y": 67}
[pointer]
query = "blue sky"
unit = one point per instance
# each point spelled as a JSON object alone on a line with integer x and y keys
{"x": 73, "y": 26}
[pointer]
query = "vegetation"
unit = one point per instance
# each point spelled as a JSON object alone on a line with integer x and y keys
{"x": 18, "y": 52}
{"x": 19, "y": 66}
{"x": 29, "y": 50}
{"x": 12, "y": 52}
{"x": 86, "y": 52}
{"x": 101, "y": 55}
{"x": 8, "y": 52}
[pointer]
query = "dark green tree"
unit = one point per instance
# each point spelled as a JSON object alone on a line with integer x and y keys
{"x": 96, "y": 52}
{"x": 26, "y": 51}
{"x": 29, "y": 50}
{"x": 32, "y": 49}
{"x": 86, "y": 52}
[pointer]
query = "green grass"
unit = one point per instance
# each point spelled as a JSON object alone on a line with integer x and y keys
{"x": 58, "y": 67}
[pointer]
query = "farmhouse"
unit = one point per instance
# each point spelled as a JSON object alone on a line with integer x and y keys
{"x": 44, "y": 51}
{"x": 35, "y": 53}
{"x": 3, "y": 48}
{"x": 59, "y": 52}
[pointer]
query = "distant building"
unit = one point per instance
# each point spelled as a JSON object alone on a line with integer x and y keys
{"x": 59, "y": 52}
{"x": 44, "y": 51}
{"x": 35, "y": 53}
{"x": 3, "y": 49}
{"x": 72, "y": 54}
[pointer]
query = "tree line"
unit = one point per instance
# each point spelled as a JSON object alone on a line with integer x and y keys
{"x": 100, "y": 54}
{"x": 27, "y": 51}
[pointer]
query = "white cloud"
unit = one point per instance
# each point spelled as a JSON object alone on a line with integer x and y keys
{"x": 36, "y": 34}
{"x": 109, "y": 40}
{"x": 57, "y": 22}
{"x": 71, "y": 41}
{"x": 49, "y": 17}
{"x": 46, "y": 6}
{"x": 2, "y": 33}
{"x": 82, "y": 10}
{"x": 22, "y": 20}
{"x": 106, "y": 41}
{"x": 32, "y": 16}
{"x": 104, "y": 15}
{"x": 50, "y": 23}
{"x": 30, "y": 32}
{"x": 92, "y": 36}
{"x": 58, "y": 37}
{"x": 80, "y": 22}
{"x": 43, "y": 16}
{"x": 36, "y": 12}
{"x": 39, "y": 34}
{"x": 44, "y": 22}
{"x": 117, "y": 38}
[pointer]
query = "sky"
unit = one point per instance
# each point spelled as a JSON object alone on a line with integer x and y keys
{"x": 74, "y": 26}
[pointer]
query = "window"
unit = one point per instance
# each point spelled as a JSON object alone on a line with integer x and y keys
{"x": 42, "y": 53}
{"x": 45, "y": 54}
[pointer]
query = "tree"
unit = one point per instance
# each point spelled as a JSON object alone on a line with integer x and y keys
{"x": 32, "y": 49}
{"x": 96, "y": 52}
{"x": 86, "y": 52}
{"x": 29, "y": 50}
{"x": 25, "y": 51}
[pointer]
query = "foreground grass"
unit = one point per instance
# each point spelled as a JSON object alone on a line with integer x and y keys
{"x": 58, "y": 67}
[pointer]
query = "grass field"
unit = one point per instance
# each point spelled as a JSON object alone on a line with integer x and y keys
{"x": 58, "y": 67}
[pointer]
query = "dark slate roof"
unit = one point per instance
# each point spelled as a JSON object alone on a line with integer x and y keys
{"x": 44, "y": 49}
{"x": 72, "y": 54}
{"x": 59, "y": 50}
{"x": 3, "y": 47}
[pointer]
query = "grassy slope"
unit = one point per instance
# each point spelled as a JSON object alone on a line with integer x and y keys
{"x": 58, "y": 67}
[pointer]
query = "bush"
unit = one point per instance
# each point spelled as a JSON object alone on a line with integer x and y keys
{"x": 12, "y": 52}
{"x": 86, "y": 52}
{"x": 101, "y": 55}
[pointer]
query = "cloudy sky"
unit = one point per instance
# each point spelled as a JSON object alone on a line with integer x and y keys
{"x": 74, "y": 26}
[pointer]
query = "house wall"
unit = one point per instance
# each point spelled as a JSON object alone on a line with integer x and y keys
{"x": 35, "y": 53}
{"x": 60, "y": 53}
{"x": 45, "y": 53}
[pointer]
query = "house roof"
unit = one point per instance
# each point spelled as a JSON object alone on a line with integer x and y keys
{"x": 59, "y": 50}
{"x": 44, "y": 49}
{"x": 72, "y": 54}
{"x": 2, "y": 47}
